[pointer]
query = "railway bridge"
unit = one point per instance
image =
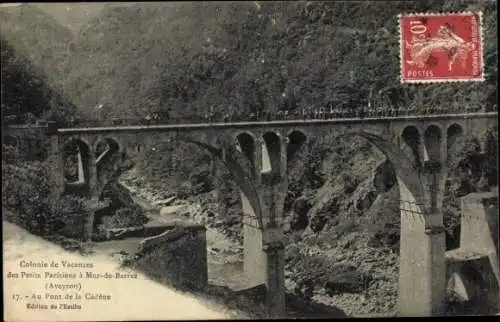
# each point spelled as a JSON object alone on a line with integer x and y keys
{"x": 420, "y": 149}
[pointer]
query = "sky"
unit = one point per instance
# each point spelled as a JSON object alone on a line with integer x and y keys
{"x": 71, "y": 15}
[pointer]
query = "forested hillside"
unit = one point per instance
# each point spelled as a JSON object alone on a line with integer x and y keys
{"x": 27, "y": 94}
{"x": 246, "y": 56}
{"x": 37, "y": 36}
{"x": 184, "y": 59}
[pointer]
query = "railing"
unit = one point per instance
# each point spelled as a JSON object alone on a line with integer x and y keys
{"x": 255, "y": 117}
{"x": 262, "y": 117}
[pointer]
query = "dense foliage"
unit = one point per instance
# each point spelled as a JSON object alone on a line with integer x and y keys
{"x": 188, "y": 58}
{"x": 26, "y": 94}
{"x": 26, "y": 186}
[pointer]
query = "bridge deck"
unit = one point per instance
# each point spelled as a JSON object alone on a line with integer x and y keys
{"x": 354, "y": 120}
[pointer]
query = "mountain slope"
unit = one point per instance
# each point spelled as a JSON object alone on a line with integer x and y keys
{"x": 252, "y": 56}
{"x": 26, "y": 91}
{"x": 73, "y": 16}
{"x": 37, "y": 36}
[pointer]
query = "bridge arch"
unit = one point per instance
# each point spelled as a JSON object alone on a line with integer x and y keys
{"x": 296, "y": 139}
{"x": 76, "y": 155}
{"x": 105, "y": 144}
{"x": 71, "y": 139}
{"x": 432, "y": 143}
{"x": 104, "y": 149}
{"x": 112, "y": 140}
{"x": 454, "y": 141}
{"x": 491, "y": 154}
{"x": 249, "y": 194}
{"x": 411, "y": 137}
{"x": 271, "y": 153}
{"x": 246, "y": 142}
{"x": 408, "y": 178}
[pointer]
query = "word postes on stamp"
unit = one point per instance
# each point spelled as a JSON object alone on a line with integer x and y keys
{"x": 441, "y": 47}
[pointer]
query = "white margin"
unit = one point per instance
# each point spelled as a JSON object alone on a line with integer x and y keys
{"x": 442, "y": 80}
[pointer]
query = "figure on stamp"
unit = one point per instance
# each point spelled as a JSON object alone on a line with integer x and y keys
{"x": 444, "y": 40}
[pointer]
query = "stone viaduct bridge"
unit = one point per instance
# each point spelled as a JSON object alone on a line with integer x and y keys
{"x": 421, "y": 175}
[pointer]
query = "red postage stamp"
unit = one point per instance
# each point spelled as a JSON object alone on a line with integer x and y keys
{"x": 444, "y": 47}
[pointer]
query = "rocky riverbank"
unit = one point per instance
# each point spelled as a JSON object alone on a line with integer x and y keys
{"x": 365, "y": 277}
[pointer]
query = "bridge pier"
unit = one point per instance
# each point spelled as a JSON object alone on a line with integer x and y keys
{"x": 254, "y": 257}
{"x": 56, "y": 167}
{"x": 422, "y": 271}
{"x": 264, "y": 261}
{"x": 92, "y": 174}
{"x": 275, "y": 279}
{"x": 220, "y": 188}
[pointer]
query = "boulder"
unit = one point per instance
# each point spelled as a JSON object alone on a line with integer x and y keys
{"x": 299, "y": 219}
{"x": 165, "y": 202}
{"x": 170, "y": 210}
{"x": 349, "y": 281}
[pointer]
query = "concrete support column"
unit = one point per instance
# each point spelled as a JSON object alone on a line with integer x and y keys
{"x": 92, "y": 174}
{"x": 281, "y": 189}
{"x": 423, "y": 154}
{"x": 258, "y": 160}
{"x": 220, "y": 187}
{"x": 81, "y": 172}
{"x": 436, "y": 246}
{"x": 89, "y": 221}
{"x": 422, "y": 275}
{"x": 254, "y": 257}
{"x": 275, "y": 279}
{"x": 57, "y": 167}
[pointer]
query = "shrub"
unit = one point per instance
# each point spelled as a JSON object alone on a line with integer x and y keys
{"x": 69, "y": 215}
{"x": 124, "y": 217}
{"x": 28, "y": 196}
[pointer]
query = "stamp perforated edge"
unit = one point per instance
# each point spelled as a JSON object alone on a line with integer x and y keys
{"x": 445, "y": 80}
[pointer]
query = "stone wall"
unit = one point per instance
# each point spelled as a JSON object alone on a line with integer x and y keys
{"x": 473, "y": 268}
{"x": 479, "y": 226}
{"x": 176, "y": 257}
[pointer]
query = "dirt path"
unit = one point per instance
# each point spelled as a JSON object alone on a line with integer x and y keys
{"x": 131, "y": 298}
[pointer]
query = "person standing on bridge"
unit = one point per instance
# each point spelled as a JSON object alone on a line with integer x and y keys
{"x": 148, "y": 119}
{"x": 336, "y": 113}
{"x": 258, "y": 115}
{"x": 393, "y": 111}
{"x": 330, "y": 112}
{"x": 71, "y": 121}
{"x": 370, "y": 110}
{"x": 410, "y": 110}
{"x": 362, "y": 111}
{"x": 322, "y": 113}
{"x": 279, "y": 115}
